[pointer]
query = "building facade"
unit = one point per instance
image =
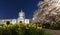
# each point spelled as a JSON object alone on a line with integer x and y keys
{"x": 21, "y": 19}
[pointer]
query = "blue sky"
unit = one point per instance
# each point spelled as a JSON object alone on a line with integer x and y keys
{"x": 11, "y": 8}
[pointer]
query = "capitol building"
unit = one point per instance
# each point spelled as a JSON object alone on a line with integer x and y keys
{"x": 21, "y": 19}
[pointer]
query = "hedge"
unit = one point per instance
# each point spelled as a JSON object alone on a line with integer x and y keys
{"x": 21, "y": 29}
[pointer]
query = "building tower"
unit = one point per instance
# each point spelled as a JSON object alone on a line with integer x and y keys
{"x": 21, "y": 17}
{"x": 21, "y": 14}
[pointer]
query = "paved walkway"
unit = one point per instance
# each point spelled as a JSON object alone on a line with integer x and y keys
{"x": 54, "y": 32}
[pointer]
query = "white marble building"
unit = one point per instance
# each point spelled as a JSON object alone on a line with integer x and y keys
{"x": 21, "y": 18}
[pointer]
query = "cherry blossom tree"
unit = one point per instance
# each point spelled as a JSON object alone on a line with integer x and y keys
{"x": 48, "y": 11}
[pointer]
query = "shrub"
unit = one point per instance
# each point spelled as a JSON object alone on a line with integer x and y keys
{"x": 47, "y": 25}
{"x": 21, "y": 29}
{"x": 56, "y": 26}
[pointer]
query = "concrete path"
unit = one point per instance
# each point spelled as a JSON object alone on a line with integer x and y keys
{"x": 54, "y": 32}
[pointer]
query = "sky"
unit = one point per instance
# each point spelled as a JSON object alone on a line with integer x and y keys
{"x": 11, "y": 8}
